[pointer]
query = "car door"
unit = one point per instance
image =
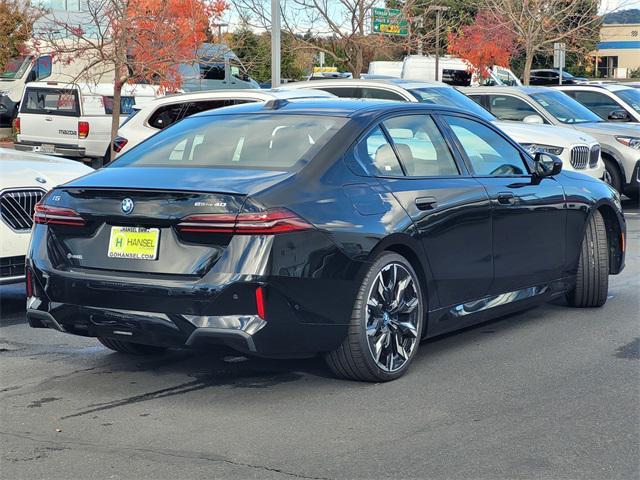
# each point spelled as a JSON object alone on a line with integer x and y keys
{"x": 528, "y": 212}
{"x": 449, "y": 208}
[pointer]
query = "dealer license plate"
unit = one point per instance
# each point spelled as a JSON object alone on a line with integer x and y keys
{"x": 136, "y": 243}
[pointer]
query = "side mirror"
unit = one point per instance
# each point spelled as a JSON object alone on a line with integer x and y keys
{"x": 537, "y": 119}
{"x": 546, "y": 165}
{"x": 618, "y": 116}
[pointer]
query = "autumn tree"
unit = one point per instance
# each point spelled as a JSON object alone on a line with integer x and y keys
{"x": 16, "y": 25}
{"x": 483, "y": 44}
{"x": 133, "y": 41}
{"x": 538, "y": 24}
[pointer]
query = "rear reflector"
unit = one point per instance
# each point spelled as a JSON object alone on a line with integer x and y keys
{"x": 277, "y": 220}
{"x": 16, "y": 125}
{"x": 29, "y": 282}
{"x": 260, "y": 302}
{"x": 83, "y": 129}
{"x": 48, "y": 215}
{"x": 119, "y": 143}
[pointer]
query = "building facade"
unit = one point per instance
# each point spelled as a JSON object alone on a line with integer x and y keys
{"x": 618, "y": 53}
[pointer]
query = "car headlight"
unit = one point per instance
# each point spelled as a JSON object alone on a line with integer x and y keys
{"x": 532, "y": 148}
{"x": 633, "y": 142}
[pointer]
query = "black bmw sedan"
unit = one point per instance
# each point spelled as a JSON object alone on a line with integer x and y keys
{"x": 347, "y": 228}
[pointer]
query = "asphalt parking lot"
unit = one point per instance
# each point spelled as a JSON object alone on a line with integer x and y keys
{"x": 549, "y": 393}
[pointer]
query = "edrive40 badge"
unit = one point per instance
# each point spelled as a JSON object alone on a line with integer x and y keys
{"x": 127, "y": 206}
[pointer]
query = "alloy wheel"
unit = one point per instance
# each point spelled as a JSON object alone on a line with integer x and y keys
{"x": 606, "y": 178}
{"x": 392, "y": 317}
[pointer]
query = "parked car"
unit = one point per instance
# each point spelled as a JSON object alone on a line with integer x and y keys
{"x": 73, "y": 120}
{"x": 620, "y": 143}
{"x": 613, "y": 102}
{"x": 163, "y": 112}
{"x": 578, "y": 151}
{"x": 551, "y": 76}
{"x": 25, "y": 178}
{"x": 347, "y": 228}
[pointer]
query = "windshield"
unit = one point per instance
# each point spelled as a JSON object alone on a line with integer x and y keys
{"x": 266, "y": 141}
{"x": 16, "y": 67}
{"x": 450, "y": 97}
{"x": 630, "y": 96}
{"x": 564, "y": 108}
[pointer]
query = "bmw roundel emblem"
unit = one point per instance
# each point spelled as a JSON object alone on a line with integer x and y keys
{"x": 127, "y": 206}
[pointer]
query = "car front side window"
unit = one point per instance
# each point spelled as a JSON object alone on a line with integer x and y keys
{"x": 488, "y": 152}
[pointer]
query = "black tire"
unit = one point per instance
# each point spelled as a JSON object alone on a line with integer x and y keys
{"x": 130, "y": 347}
{"x": 615, "y": 177}
{"x": 353, "y": 359}
{"x": 592, "y": 278}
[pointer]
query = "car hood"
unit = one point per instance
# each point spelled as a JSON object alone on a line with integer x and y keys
{"x": 20, "y": 169}
{"x": 609, "y": 128}
{"x": 545, "y": 134}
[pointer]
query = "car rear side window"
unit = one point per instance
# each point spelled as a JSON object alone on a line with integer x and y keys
{"x": 421, "y": 147}
{"x": 202, "y": 106}
{"x": 51, "y": 102}
{"x": 166, "y": 115}
{"x": 266, "y": 141}
{"x": 375, "y": 154}
{"x": 489, "y": 153}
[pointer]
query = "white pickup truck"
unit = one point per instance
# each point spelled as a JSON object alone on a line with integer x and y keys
{"x": 73, "y": 120}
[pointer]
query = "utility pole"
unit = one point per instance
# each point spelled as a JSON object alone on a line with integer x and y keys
{"x": 219, "y": 26}
{"x": 275, "y": 43}
{"x": 438, "y": 10}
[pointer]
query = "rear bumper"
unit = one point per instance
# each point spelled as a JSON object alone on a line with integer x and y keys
{"x": 58, "y": 149}
{"x": 175, "y": 314}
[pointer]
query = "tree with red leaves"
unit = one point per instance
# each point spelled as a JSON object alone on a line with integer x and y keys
{"x": 483, "y": 44}
{"x": 133, "y": 41}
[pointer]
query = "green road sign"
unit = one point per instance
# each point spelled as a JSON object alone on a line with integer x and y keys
{"x": 389, "y": 21}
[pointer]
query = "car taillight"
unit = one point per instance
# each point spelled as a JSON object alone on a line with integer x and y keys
{"x": 277, "y": 220}
{"x": 83, "y": 129}
{"x": 119, "y": 143}
{"x": 16, "y": 125}
{"x": 48, "y": 215}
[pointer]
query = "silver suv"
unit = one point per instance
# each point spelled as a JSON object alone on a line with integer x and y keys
{"x": 620, "y": 142}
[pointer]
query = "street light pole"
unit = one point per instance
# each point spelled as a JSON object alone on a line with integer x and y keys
{"x": 438, "y": 10}
{"x": 275, "y": 43}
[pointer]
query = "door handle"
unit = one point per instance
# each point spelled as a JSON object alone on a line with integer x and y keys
{"x": 506, "y": 198}
{"x": 426, "y": 203}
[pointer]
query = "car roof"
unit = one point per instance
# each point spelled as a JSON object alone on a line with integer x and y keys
{"x": 612, "y": 87}
{"x": 337, "y": 107}
{"x": 502, "y": 89}
{"x": 252, "y": 93}
{"x": 398, "y": 82}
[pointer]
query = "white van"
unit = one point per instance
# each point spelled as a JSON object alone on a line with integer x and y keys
{"x": 453, "y": 71}
{"x": 385, "y": 68}
{"x": 217, "y": 68}
{"x": 73, "y": 120}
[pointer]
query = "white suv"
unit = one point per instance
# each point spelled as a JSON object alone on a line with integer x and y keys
{"x": 578, "y": 151}
{"x": 159, "y": 114}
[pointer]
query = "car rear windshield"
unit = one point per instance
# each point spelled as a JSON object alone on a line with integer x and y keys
{"x": 564, "y": 108}
{"x": 269, "y": 141}
{"x": 52, "y": 101}
{"x": 450, "y": 97}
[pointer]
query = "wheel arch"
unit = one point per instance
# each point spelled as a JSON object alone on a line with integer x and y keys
{"x": 615, "y": 239}
{"x": 609, "y": 155}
